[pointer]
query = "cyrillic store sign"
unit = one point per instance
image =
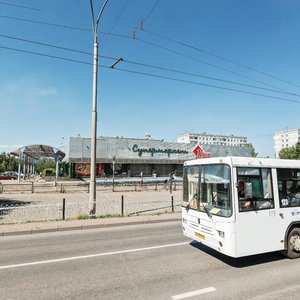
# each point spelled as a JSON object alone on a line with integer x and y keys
{"x": 140, "y": 151}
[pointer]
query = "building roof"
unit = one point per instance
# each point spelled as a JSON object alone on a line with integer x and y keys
{"x": 40, "y": 152}
{"x": 131, "y": 150}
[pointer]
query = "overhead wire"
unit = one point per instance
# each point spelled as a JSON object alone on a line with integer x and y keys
{"x": 45, "y": 23}
{"x": 149, "y": 43}
{"x": 64, "y": 26}
{"x": 106, "y": 34}
{"x": 210, "y": 78}
{"x": 152, "y": 75}
{"x": 147, "y": 65}
{"x": 206, "y": 63}
{"x": 144, "y": 20}
{"x": 208, "y": 85}
{"x": 45, "y": 55}
{"x": 20, "y": 6}
{"x": 150, "y": 12}
{"x": 176, "y": 52}
{"x": 142, "y": 28}
{"x": 218, "y": 56}
{"x": 45, "y": 44}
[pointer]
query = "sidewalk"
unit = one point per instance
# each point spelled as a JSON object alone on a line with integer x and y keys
{"x": 53, "y": 226}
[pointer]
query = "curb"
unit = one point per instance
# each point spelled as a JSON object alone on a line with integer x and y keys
{"x": 85, "y": 227}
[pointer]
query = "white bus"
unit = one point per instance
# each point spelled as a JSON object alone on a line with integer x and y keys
{"x": 265, "y": 218}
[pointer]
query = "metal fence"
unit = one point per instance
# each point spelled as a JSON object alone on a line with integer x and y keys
{"x": 114, "y": 204}
{"x": 83, "y": 187}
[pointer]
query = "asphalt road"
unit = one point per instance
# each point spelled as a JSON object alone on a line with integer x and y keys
{"x": 153, "y": 261}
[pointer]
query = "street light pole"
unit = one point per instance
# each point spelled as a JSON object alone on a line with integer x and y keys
{"x": 114, "y": 162}
{"x": 92, "y": 196}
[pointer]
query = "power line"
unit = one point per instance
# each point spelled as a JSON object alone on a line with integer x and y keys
{"x": 46, "y": 55}
{"x": 147, "y": 65}
{"x": 204, "y": 62}
{"x": 44, "y": 23}
{"x": 218, "y": 56}
{"x": 154, "y": 75}
{"x": 113, "y": 24}
{"x": 45, "y": 44}
{"x": 63, "y": 26}
{"x": 167, "y": 49}
{"x": 208, "y": 77}
{"x": 150, "y": 12}
{"x": 147, "y": 42}
{"x": 20, "y": 6}
{"x": 207, "y": 85}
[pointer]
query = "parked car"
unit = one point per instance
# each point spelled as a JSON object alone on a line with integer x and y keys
{"x": 8, "y": 175}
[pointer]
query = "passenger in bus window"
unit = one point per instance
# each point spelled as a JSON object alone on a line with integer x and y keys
{"x": 241, "y": 189}
{"x": 241, "y": 192}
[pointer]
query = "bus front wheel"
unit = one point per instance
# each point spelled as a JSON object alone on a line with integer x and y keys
{"x": 293, "y": 243}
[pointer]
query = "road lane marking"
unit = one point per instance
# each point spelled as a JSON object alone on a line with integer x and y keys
{"x": 90, "y": 256}
{"x": 193, "y": 293}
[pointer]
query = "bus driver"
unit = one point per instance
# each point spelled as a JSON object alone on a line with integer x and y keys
{"x": 241, "y": 189}
{"x": 241, "y": 192}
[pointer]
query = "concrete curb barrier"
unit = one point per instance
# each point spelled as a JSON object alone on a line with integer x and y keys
{"x": 59, "y": 226}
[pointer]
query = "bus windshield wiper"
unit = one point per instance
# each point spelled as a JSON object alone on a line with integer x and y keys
{"x": 189, "y": 203}
{"x": 205, "y": 209}
{"x": 197, "y": 196}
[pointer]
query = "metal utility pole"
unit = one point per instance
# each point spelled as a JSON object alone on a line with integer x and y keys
{"x": 114, "y": 162}
{"x": 92, "y": 198}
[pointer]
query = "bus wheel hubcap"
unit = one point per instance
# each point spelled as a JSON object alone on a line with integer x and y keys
{"x": 295, "y": 242}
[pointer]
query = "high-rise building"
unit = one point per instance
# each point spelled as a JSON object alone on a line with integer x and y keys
{"x": 285, "y": 139}
{"x": 212, "y": 139}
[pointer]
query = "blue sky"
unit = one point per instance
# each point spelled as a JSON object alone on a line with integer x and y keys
{"x": 45, "y": 100}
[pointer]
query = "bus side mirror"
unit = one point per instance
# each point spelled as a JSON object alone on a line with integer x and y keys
{"x": 187, "y": 208}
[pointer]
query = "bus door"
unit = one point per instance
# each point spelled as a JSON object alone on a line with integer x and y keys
{"x": 256, "y": 219}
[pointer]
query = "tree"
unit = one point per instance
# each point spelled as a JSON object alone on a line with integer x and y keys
{"x": 45, "y": 164}
{"x": 253, "y": 152}
{"x": 290, "y": 152}
{"x": 8, "y": 162}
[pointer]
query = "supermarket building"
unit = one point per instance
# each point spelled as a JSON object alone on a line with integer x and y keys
{"x": 129, "y": 156}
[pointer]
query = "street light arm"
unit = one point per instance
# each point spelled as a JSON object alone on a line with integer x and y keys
{"x": 93, "y": 20}
{"x": 100, "y": 13}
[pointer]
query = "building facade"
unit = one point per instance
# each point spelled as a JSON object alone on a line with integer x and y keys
{"x": 212, "y": 139}
{"x": 129, "y": 156}
{"x": 285, "y": 139}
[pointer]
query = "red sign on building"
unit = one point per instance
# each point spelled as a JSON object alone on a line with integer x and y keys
{"x": 200, "y": 153}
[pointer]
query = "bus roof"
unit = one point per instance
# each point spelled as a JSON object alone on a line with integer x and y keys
{"x": 246, "y": 162}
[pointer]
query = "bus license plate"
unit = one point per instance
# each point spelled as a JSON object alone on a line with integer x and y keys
{"x": 201, "y": 236}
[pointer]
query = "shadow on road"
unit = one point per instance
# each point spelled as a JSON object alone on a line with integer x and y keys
{"x": 241, "y": 262}
{"x": 8, "y": 205}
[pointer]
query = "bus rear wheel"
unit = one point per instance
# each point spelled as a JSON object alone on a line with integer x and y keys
{"x": 293, "y": 243}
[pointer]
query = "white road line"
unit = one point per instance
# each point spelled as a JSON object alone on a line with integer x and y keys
{"x": 193, "y": 293}
{"x": 89, "y": 256}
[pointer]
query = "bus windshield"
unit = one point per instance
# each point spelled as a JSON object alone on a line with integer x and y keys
{"x": 206, "y": 188}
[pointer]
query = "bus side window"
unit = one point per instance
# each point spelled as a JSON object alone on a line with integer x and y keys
{"x": 289, "y": 187}
{"x": 258, "y": 192}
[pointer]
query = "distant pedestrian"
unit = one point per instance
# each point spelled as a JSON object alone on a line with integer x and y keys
{"x": 171, "y": 178}
{"x": 142, "y": 177}
{"x": 165, "y": 184}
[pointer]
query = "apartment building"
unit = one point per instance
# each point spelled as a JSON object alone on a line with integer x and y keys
{"x": 212, "y": 139}
{"x": 285, "y": 139}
